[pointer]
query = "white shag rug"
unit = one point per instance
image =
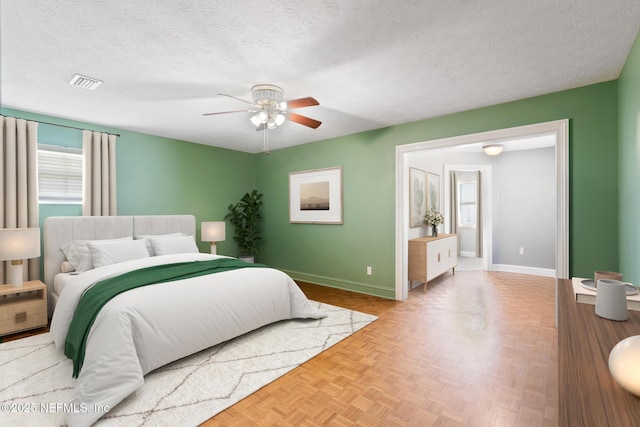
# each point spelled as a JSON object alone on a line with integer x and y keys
{"x": 36, "y": 382}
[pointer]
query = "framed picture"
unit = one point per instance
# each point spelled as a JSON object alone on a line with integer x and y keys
{"x": 417, "y": 197}
{"x": 315, "y": 196}
{"x": 433, "y": 192}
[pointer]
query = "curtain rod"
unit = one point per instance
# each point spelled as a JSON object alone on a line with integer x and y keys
{"x": 62, "y": 126}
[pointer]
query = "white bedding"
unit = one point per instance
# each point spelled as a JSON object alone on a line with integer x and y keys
{"x": 145, "y": 328}
{"x": 60, "y": 281}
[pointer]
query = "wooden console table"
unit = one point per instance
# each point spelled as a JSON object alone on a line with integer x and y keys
{"x": 588, "y": 394}
{"x": 430, "y": 257}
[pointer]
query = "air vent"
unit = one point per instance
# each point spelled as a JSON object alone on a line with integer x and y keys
{"x": 85, "y": 82}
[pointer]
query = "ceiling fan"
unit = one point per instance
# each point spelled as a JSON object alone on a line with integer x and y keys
{"x": 271, "y": 109}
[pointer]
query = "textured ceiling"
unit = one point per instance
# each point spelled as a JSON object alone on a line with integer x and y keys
{"x": 371, "y": 64}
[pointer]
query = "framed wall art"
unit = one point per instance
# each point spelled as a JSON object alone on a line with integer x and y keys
{"x": 315, "y": 196}
{"x": 433, "y": 192}
{"x": 417, "y": 197}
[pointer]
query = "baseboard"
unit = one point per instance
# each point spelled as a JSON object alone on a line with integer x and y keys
{"x": 546, "y": 272}
{"x": 347, "y": 285}
{"x": 468, "y": 254}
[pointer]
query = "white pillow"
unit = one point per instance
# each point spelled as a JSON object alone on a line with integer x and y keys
{"x": 67, "y": 267}
{"x": 107, "y": 253}
{"x": 78, "y": 254}
{"x": 174, "y": 245}
{"x": 155, "y": 236}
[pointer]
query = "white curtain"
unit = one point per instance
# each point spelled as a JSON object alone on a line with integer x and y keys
{"x": 19, "y": 186}
{"x": 479, "y": 215}
{"x": 453, "y": 204}
{"x": 99, "y": 174}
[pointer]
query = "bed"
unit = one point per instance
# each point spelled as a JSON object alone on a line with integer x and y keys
{"x": 147, "y": 327}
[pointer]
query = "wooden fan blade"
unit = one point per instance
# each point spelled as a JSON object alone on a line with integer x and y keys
{"x": 227, "y": 112}
{"x": 306, "y": 121}
{"x": 302, "y": 102}
{"x": 237, "y": 99}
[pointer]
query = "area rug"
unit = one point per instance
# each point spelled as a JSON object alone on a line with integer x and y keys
{"x": 36, "y": 383}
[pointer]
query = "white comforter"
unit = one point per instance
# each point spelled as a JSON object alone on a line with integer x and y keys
{"x": 145, "y": 328}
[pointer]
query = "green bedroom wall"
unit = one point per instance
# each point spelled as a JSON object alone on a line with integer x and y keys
{"x": 157, "y": 175}
{"x": 629, "y": 172}
{"x": 337, "y": 255}
{"x": 165, "y": 176}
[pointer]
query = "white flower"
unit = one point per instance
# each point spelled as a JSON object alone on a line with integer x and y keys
{"x": 433, "y": 217}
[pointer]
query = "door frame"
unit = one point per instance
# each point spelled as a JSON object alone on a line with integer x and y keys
{"x": 486, "y": 185}
{"x": 559, "y": 128}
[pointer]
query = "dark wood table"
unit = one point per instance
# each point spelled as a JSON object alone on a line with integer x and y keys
{"x": 588, "y": 394}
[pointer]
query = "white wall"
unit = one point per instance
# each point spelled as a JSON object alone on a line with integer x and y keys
{"x": 525, "y": 197}
{"x": 523, "y": 200}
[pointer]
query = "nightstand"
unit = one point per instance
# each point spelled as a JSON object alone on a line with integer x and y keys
{"x": 23, "y": 308}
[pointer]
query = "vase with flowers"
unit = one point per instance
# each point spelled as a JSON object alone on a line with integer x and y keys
{"x": 433, "y": 218}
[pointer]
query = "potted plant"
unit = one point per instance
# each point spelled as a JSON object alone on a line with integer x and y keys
{"x": 244, "y": 216}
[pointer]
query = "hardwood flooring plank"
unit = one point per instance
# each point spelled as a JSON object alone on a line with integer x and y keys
{"x": 478, "y": 348}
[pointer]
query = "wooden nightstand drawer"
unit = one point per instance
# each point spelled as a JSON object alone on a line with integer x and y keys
{"x": 23, "y": 308}
{"x": 22, "y": 320}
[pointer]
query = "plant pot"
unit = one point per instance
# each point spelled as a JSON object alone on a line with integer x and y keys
{"x": 247, "y": 258}
{"x": 434, "y": 230}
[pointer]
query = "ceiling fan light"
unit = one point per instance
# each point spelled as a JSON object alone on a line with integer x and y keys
{"x": 282, "y": 106}
{"x": 263, "y": 116}
{"x": 279, "y": 119}
{"x": 271, "y": 125}
{"x": 255, "y": 120}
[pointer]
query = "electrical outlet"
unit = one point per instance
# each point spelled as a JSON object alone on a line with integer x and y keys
{"x": 369, "y": 271}
{"x": 521, "y": 251}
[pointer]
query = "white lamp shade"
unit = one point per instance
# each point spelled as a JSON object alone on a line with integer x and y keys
{"x": 493, "y": 149}
{"x": 213, "y": 231}
{"x": 624, "y": 364}
{"x": 19, "y": 243}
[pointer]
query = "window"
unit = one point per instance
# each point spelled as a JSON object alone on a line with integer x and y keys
{"x": 468, "y": 203}
{"x": 59, "y": 174}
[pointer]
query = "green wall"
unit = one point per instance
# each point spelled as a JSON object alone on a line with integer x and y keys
{"x": 337, "y": 255}
{"x": 157, "y": 176}
{"x": 165, "y": 176}
{"x": 629, "y": 172}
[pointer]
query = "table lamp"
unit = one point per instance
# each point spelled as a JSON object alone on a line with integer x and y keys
{"x": 213, "y": 231}
{"x": 624, "y": 366}
{"x": 16, "y": 245}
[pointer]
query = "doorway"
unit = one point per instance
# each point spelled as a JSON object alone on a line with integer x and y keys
{"x": 559, "y": 128}
{"x": 475, "y": 226}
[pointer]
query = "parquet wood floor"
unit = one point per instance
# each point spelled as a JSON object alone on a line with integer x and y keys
{"x": 477, "y": 349}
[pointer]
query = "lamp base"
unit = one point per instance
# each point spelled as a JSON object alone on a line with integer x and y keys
{"x": 214, "y": 251}
{"x": 15, "y": 275}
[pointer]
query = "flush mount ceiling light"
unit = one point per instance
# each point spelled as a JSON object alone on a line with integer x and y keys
{"x": 85, "y": 82}
{"x": 492, "y": 149}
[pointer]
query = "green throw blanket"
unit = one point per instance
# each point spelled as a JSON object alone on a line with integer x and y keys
{"x": 101, "y": 293}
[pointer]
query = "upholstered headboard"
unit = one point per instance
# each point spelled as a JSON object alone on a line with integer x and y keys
{"x": 59, "y": 230}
